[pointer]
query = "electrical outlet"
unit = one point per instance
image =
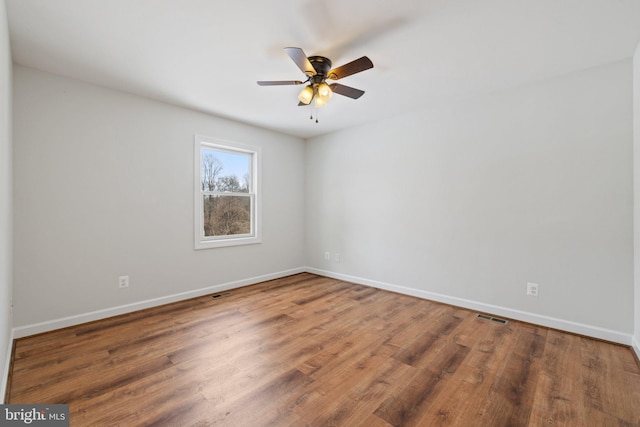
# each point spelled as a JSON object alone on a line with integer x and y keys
{"x": 338, "y": 258}
{"x": 327, "y": 256}
{"x": 532, "y": 289}
{"x": 123, "y": 282}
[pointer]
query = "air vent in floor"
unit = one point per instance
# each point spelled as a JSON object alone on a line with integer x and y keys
{"x": 220, "y": 295}
{"x": 493, "y": 319}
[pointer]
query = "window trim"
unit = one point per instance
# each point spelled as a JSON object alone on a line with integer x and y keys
{"x": 202, "y": 242}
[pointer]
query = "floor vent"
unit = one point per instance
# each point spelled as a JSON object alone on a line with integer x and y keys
{"x": 220, "y": 295}
{"x": 493, "y": 319}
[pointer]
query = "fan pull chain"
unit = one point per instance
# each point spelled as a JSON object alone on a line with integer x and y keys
{"x": 311, "y": 116}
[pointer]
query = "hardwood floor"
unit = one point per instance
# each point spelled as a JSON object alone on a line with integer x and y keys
{"x": 309, "y": 350}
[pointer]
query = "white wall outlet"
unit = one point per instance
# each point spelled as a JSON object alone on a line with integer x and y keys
{"x": 123, "y": 282}
{"x": 337, "y": 257}
{"x": 327, "y": 256}
{"x": 532, "y": 289}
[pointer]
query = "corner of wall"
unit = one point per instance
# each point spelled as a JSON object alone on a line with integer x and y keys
{"x": 636, "y": 200}
{"x": 6, "y": 197}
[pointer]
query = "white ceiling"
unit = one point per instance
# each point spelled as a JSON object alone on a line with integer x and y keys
{"x": 208, "y": 54}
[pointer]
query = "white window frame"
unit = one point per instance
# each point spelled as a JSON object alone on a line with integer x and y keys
{"x": 205, "y": 242}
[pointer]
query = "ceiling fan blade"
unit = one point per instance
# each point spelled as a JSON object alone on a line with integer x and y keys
{"x": 352, "y": 67}
{"x": 279, "y": 82}
{"x": 346, "y": 91}
{"x": 300, "y": 58}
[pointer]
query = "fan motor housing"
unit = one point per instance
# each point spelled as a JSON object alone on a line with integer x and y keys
{"x": 322, "y": 66}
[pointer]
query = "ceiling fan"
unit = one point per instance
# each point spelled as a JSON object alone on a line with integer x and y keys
{"x": 318, "y": 70}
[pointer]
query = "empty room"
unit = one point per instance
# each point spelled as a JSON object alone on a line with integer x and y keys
{"x": 320, "y": 213}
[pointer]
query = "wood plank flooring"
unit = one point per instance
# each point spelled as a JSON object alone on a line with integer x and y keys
{"x": 307, "y": 350}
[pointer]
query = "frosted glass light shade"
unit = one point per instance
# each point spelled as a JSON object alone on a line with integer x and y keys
{"x": 324, "y": 91}
{"x": 306, "y": 95}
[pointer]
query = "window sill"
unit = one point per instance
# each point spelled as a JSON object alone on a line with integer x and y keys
{"x": 222, "y": 243}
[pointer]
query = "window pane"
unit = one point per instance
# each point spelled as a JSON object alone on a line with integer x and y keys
{"x": 226, "y": 215}
{"x": 224, "y": 171}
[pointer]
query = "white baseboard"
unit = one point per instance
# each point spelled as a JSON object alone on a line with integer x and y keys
{"x": 636, "y": 346}
{"x": 555, "y": 323}
{"x": 24, "y": 331}
{"x": 6, "y": 368}
{"x": 537, "y": 319}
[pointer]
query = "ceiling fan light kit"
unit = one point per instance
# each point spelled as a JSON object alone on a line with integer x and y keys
{"x": 306, "y": 95}
{"x": 324, "y": 91}
{"x": 318, "y": 70}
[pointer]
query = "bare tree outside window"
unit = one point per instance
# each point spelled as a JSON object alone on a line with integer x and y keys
{"x": 211, "y": 168}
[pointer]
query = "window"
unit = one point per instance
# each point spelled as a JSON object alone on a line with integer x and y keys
{"x": 227, "y": 208}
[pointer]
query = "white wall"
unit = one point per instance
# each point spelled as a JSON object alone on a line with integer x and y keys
{"x": 471, "y": 201}
{"x": 5, "y": 199}
{"x": 104, "y": 187}
{"x": 636, "y": 199}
